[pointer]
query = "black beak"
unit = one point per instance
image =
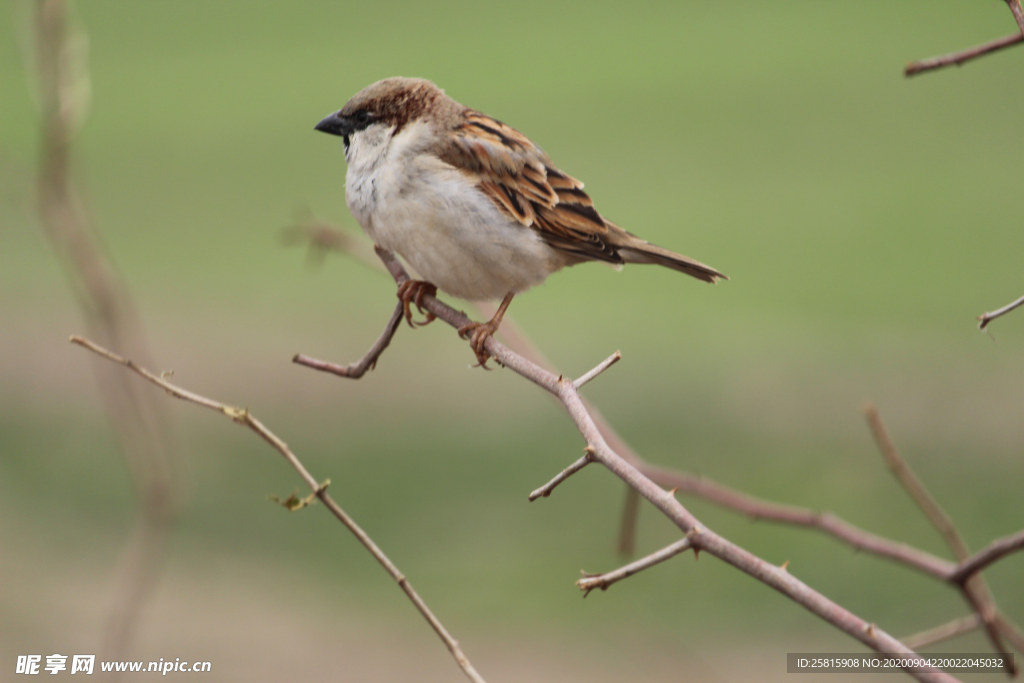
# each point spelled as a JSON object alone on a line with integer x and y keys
{"x": 336, "y": 124}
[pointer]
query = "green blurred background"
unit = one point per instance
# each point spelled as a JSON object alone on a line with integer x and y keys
{"x": 864, "y": 219}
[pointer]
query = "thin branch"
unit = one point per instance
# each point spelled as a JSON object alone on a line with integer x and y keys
{"x": 244, "y": 417}
{"x": 367, "y": 362}
{"x": 591, "y": 581}
{"x": 958, "y": 58}
{"x": 996, "y": 550}
{"x": 700, "y": 536}
{"x": 977, "y": 595}
{"x": 545, "y": 490}
{"x": 601, "y": 367}
{"x": 938, "y": 634}
{"x": 917, "y": 491}
{"x": 974, "y": 588}
{"x": 986, "y": 318}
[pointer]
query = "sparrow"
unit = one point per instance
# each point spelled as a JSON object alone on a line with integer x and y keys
{"x": 474, "y": 206}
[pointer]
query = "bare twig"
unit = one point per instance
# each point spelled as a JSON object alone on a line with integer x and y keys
{"x": 244, "y": 417}
{"x": 993, "y": 552}
{"x": 958, "y": 58}
{"x": 945, "y": 632}
{"x": 140, "y": 422}
{"x": 367, "y": 362}
{"x": 545, "y": 490}
{"x": 974, "y": 588}
{"x": 986, "y": 318}
{"x": 591, "y": 581}
{"x": 932, "y": 510}
{"x": 601, "y": 367}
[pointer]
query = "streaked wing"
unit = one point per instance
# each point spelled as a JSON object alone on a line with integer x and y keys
{"x": 523, "y": 183}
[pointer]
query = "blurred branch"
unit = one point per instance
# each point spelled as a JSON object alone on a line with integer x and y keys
{"x": 322, "y": 238}
{"x": 627, "y": 526}
{"x": 945, "y": 632}
{"x": 141, "y": 424}
{"x": 243, "y": 417}
{"x": 1010, "y": 631}
{"x": 756, "y": 508}
{"x": 995, "y": 551}
{"x": 974, "y": 587}
{"x": 958, "y": 58}
{"x": 700, "y": 537}
{"x": 986, "y": 318}
{"x": 931, "y": 509}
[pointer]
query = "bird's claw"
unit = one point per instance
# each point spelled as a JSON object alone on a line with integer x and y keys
{"x": 412, "y": 292}
{"x": 478, "y": 334}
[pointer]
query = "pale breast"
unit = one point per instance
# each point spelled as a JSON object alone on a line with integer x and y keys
{"x": 432, "y": 215}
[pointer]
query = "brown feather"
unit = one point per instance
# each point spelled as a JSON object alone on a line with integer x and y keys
{"x": 523, "y": 183}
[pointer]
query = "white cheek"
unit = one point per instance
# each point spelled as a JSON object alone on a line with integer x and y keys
{"x": 369, "y": 147}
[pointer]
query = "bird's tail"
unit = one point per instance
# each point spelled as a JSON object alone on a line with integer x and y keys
{"x": 636, "y": 250}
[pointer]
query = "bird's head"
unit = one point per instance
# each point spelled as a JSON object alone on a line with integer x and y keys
{"x": 381, "y": 110}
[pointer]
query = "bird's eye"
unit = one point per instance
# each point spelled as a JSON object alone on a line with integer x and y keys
{"x": 363, "y": 116}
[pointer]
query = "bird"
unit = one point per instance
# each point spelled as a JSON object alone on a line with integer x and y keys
{"x": 472, "y": 205}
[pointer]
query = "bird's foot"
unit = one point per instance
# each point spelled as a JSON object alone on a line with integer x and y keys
{"x": 412, "y": 292}
{"x": 478, "y": 333}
